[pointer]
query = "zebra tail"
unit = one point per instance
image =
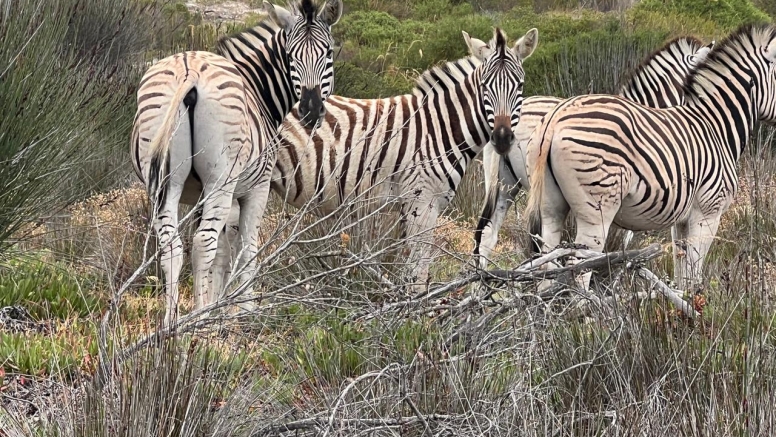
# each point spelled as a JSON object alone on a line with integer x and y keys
{"x": 537, "y": 178}
{"x": 159, "y": 148}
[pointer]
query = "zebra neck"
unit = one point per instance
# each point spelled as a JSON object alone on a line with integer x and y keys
{"x": 277, "y": 96}
{"x": 456, "y": 104}
{"x": 726, "y": 104}
{"x": 261, "y": 57}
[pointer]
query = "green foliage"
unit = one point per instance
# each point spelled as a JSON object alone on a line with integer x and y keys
{"x": 66, "y": 351}
{"x": 593, "y": 62}
{"x": 726, "y": 14}
{"x": 767, "y": 6}
{"x": 47, "y": 289}
{"x": 176, "y": 389}
{"x": 54, "y": 100}
{"x": 326, "y": 348}
{"x": 381, "y": 50}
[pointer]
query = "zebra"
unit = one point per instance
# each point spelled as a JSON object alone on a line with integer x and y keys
{"x": 609, "y": 160}
{"x": 414, "y": 147}
{"x": 655, "y": 82}
{"x": 225, "y": 147}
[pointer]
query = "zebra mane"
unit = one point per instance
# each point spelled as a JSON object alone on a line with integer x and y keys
{"x": 744, "y": 39}
{"x": 687, "y": 45}
{"x": 267, "y": 27}
{"x": 450, "y": 73}
{"x": 262, "y": 31}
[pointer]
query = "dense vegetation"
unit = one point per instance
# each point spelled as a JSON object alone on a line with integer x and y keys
{"x": 73, "y": 230}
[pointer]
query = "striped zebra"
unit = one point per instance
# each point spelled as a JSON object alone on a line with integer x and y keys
{"x": 205, "y": 132}
{"x": 656, "y": 82}
{"x": 609, "y": 160}
{"x": 413, "y": 148}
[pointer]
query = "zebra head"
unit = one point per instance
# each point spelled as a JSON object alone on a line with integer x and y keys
{"x": 310, "y": 54}
{"x": 501, "y": 82}
{"x": 767, "y": 90}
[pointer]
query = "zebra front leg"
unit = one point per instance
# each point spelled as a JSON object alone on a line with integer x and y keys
{"x": 692, "y": 240}
{"x": 419, "y": 220}
{"x": 494, "y": 212}
{"x": 252, "y": 209}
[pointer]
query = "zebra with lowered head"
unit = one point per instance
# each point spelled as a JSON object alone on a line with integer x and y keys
{"x": 205, "y": 132}
{"x": 656, "y": 82}
{"x": 608, "y": 160}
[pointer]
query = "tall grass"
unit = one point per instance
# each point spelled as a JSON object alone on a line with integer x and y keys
{"x": 64, "y": 101}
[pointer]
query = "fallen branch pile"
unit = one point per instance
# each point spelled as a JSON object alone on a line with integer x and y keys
{"x": 535, "y": 270}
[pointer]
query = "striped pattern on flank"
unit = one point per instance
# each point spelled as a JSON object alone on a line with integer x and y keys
{"x": 656, "y": 82}
{"x": 608, "y": 160}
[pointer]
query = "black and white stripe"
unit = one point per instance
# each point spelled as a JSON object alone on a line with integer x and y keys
{"x": 609, "y": 160}
{"x": 205, "y": 133}
{"x": 655, "y": 82}
{"x": 414, "y": 148}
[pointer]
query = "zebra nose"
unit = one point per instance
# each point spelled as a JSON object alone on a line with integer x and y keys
{"x": 502, "y": 136}
{"x": 311, "y": 105}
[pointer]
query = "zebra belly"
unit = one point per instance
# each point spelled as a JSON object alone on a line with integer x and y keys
{"x": 635, "y": 216}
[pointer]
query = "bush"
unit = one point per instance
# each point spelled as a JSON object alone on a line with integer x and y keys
{"x": 53, "y": 104}
{"x": 727, "y": 15}
{"x": 47, "y": 289}
{"x": 590, "y": 63}
{"x": 71, "y": 349}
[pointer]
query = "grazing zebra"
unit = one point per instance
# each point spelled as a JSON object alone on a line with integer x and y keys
{"x": 206, "y": 125}
{"x": 609, "y": 160}
{"x": 414, "y": 147}
{"x": 656, "y": 82}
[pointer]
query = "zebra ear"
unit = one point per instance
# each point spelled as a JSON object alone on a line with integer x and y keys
{"x": 281, "y": 16}
{"x": 478, "y": 48}
{"x": 701, "y": 54}
{"x": 331, "y": 12}
{"x": 525, "y": 46}
{"x": 770, "y": 51}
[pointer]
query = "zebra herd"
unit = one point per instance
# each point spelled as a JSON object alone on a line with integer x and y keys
{"x": 219, "y": 130}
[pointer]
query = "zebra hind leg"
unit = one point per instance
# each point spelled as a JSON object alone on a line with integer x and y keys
{"x": 165, "y": 219}
{"x": 591, "y": 234}
{"x": 554, "y": 210}
{"x": 215, "y": 212}
{"x": 252, "y": 209}
{"x": 692, "y": 240}
{"x": 221, "y": 270}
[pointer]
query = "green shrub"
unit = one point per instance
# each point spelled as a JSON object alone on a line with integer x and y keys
{"x": 68, "y": 350}
{"x": 47, "y": 289}
{"x": 54, "y": 101}
{"x": 590, "y": 63}
{"x": 726, "y": 14}
{"x": 355, "y": 82}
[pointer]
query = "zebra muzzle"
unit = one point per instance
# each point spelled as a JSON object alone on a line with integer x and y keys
{"x": 311, "y": 107}
{"x": 502, "y": 136}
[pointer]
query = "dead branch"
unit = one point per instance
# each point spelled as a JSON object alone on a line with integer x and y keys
{"x": 319, "y": 422}
{"x": 668, "y": 292}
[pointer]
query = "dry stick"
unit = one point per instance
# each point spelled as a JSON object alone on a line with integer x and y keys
{"x": 528, "y": 272}
{"x": 344, "y": 393}
{"x": 668, "y": 292}
{"x": 316, "y": 422}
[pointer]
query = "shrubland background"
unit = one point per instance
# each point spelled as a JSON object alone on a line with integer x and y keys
{"x": 73, "y": 225}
